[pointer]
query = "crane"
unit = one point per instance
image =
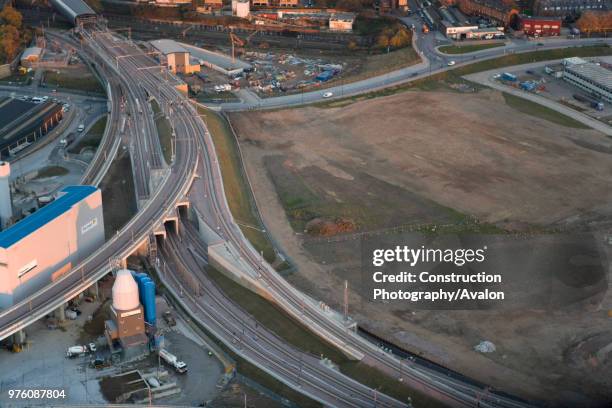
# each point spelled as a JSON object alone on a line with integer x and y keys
{"x": 187, "y": 29}
{"x": 235, "y": 40}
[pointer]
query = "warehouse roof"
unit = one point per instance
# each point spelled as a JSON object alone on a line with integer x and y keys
{"x": 12, "y": 109}
{"x": 594, "y": 72}
{"x": 73, "y": 9}
{"x": 168, "y": 46}
{"x": 19, "y": 119}
{"x": 31, "y": 52}
{"x": 217, "y": 59}
{"x": 70, "y": 196}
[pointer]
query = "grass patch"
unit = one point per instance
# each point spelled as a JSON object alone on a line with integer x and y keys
{"x": 118, "y": 195}
{"x": 391, "y": 386}
{"x": 543, "y": 112}
{"x": 93, "y": 137}
{"x": 217, "y": 97}
{"x": 86, "y": 82}
{"x": 18, "y": 79}
{"x": 273, "y": 318}
{"x": 51, "y": 171}
{"x": 443, "y": 80}
{"x": 164, "y": 131}
{"x": 237, "y": 191}
{"x": 465, "y": 48}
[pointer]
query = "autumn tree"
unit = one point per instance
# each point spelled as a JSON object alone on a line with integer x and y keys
{"x": 394, "y": 37}
{"x": 595, "y": 22}
{"x": 9, "y": 42}
{"x": 10, "y": 16}
{"x": 10, "y": 39}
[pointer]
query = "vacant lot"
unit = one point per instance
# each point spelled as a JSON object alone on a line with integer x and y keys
{"x": 425, "y": 160}
{"x": 77, "y": 78}
{"x": 423, "y": 157}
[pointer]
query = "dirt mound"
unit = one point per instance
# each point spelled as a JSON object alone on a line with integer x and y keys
{"x": 327, "y": 228}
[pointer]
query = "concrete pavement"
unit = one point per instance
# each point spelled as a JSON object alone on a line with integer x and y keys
{"x": 486, "y": 78}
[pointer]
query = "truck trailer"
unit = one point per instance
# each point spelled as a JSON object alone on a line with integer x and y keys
{"x": 178, "y": 365}
{"x": 592, "y": 102}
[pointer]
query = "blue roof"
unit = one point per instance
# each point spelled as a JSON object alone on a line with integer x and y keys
{"x": 23, "y": 228}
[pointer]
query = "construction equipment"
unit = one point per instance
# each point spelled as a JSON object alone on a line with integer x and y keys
{"x": 235, "y": 40}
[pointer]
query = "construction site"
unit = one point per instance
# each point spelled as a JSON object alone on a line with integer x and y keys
{"x": 473, "y": 164}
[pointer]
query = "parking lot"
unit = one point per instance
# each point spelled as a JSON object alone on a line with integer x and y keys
{"x": 548, "y": 85}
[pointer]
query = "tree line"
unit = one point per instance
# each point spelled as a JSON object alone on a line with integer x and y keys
{"x": 595, "y": 22}
{"x": 10, "y": 33}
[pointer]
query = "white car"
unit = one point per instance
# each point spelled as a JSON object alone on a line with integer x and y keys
{"x": 450, "y": 63}
{"x": 328, "y": 94}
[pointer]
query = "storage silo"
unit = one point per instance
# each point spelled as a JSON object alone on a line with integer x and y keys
{"x": 6, "y": 205}
{"x": 149, "y": 301}
{"x": 125, "y": 291}
{"x": 128, "y": 315}
{"x": 139, "y": 277}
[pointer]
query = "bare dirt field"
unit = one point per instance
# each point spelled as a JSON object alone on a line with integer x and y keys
{"x": 469, "y": 163}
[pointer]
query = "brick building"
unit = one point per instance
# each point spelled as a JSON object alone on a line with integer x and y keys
{"x": 540, "y": 26}
{"x": 562, "y": 8}
{"x": 501, "y": 11}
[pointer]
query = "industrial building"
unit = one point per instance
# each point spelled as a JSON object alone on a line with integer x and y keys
{"x": 540, "y": 26}
{"x": 23, "y": 123}
{"x": 219, "y": 62}
{"x": 127, "y": 325}
{"x": 457, "y": 26}
{"x": 175, "y": 56}
{"x": 30, "y": 56}
{"x": 471, "y": 32}
{"x": 76, "y": 11}
{"x": 241, "y": 8}
{"x": 6, "y": 205}
{"x": 276, "y": 3}
{"x": 171, "y": 3}
{"x": 208, "y": 6}
{"x": 133, "y": 314}
{"x": 341, "y": 21}
{"x": 40, "y": 248}
{"x": 591, "y": 77}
